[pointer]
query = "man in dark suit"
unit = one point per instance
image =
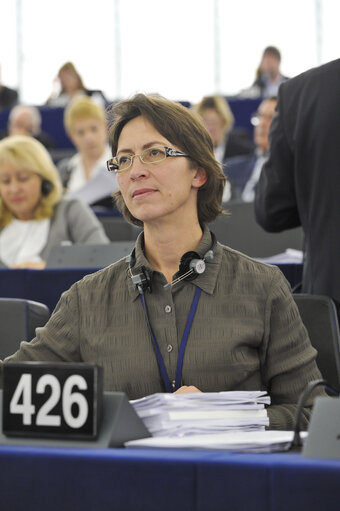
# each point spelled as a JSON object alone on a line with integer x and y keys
{"x": 300, "y": 183}
{"x": 8, "y": 97}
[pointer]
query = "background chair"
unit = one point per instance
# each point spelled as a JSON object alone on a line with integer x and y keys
{"x": 319, "y": 316}
{"x": 88, "y": 256}
{"x": 116, "y": 227}
{"x": 18, "y": 321}
{"x": 240, "y": 231}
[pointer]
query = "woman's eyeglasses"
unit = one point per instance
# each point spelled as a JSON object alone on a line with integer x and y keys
{"x": 152, "y": 155}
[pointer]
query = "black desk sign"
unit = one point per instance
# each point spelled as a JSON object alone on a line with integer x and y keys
{"x": 61, "y": 400}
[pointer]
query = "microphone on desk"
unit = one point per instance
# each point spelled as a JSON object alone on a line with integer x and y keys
{"x": 317, "y": 442}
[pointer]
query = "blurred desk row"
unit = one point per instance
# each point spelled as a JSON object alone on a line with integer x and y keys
{"x": 66, "y": 479}
{"x": 47, "y": 285}
{"x": 53, "y": 119}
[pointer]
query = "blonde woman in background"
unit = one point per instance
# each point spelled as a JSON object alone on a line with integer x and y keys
{"x": 219, "y": 121}
{"x": 85, "y": 175}
{"x": 33, "y": 215}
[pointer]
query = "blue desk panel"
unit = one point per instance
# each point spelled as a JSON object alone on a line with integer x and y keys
{"x": 52, "y": 123}
{"x": 46, "y": 286}
{"x": 164, "y": 480}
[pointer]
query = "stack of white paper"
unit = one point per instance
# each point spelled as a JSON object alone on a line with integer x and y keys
{"x": 174, "y": 415}
{"x": 244, "y": 441}
{"x": 289, "y": 256}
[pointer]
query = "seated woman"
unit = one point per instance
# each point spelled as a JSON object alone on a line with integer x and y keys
{"x": 33, "y": 216}
{"x": 219, "y": 120}
{"x": 217, "y": 319}
{"x": 69, "y": 84}
{"x": 85, "y": 175}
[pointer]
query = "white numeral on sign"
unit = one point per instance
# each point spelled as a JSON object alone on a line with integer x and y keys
{"x": 70, "y": 398}
{"x": 43, "y": 417}
{"x": 21, "y": 402}
{"x": 23, "y": 392}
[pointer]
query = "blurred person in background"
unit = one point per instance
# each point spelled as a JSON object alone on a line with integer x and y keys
{"x": 33, "y": 215}
{"x": 26, "y": 120}
{"x": 243, "y": 172}
{"x": 268, "y": 75}
{"x": 8, "y": 97}
{"x": 219, "y": 121}
{"x": 68, "y": 84}
{"x": 84, "y": 175}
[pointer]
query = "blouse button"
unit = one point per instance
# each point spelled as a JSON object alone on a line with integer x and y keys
{"x": 167, "y": 308}
{"x": 169, "y": 348}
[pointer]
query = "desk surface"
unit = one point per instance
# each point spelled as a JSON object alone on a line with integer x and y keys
{"x": 164, "y": 480}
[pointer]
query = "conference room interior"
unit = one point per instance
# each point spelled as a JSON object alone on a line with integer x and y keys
{"x": 184, "y": 52}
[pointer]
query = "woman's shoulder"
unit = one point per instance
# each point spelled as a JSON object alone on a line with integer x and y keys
{"x": 104, "y": 278}
{"x": 70, "y": 204}
{"x": 241, "y": 263}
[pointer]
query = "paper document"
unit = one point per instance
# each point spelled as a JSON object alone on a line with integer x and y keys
{"x": 98, "y": 187}
{"x": 250, "y": 441}
{"x": 290, "y": 256}
{"x": 205, "y": 413}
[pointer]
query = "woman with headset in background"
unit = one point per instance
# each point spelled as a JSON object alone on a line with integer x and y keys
{"x": 33, "y": 215}
{"x": 182, "y": 313}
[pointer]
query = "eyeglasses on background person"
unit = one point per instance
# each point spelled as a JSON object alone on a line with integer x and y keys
{"x": 157, "y": 154}
{"x": 257, "y": 116}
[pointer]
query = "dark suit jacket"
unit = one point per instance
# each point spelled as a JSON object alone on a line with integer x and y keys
{"x": 8, "y": 97}
{"x": 238, "y": 142}
{"x": 238, "y": 170}
{"x": 300, "y": 183}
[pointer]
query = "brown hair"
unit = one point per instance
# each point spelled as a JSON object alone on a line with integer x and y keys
{"x": 272, "y": 50}
{"x": 71, "y": 68}
{"x": 185, "y": 130}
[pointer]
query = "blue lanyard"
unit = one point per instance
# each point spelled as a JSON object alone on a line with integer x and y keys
{"x": 160, "y": 361}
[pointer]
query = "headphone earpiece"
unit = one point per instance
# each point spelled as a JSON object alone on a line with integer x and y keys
{"x": 192, "y": 264}
{"x": 140, "y": 280}
{"x": 191, "y": 261}
{"x": 46, "y": 187}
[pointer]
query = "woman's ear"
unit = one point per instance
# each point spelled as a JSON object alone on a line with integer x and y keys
{"x": 200, "y": 177}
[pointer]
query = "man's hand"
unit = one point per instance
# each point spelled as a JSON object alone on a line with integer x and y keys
{"x": 34, "y": 265}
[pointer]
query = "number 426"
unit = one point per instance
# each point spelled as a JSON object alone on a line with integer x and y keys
{"x": 21, "y": 402}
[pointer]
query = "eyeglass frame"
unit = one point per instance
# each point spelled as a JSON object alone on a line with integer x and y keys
{"x": 112, "y": 163}
{"x": 256, "y": 116}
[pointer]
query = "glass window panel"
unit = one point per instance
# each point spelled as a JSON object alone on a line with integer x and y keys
{"x": 122, "y": 55}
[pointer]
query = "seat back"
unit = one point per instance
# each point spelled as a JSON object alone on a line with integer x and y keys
{"x": 18, "y": 320}
{"x": 319, "y": 316}
{"x": 118, "y": 229}
{"x": 240, "y": 231}
{"x": 88, "y": 256}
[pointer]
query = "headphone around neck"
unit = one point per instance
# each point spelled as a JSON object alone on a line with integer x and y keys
{"x": 191, "y": 265}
